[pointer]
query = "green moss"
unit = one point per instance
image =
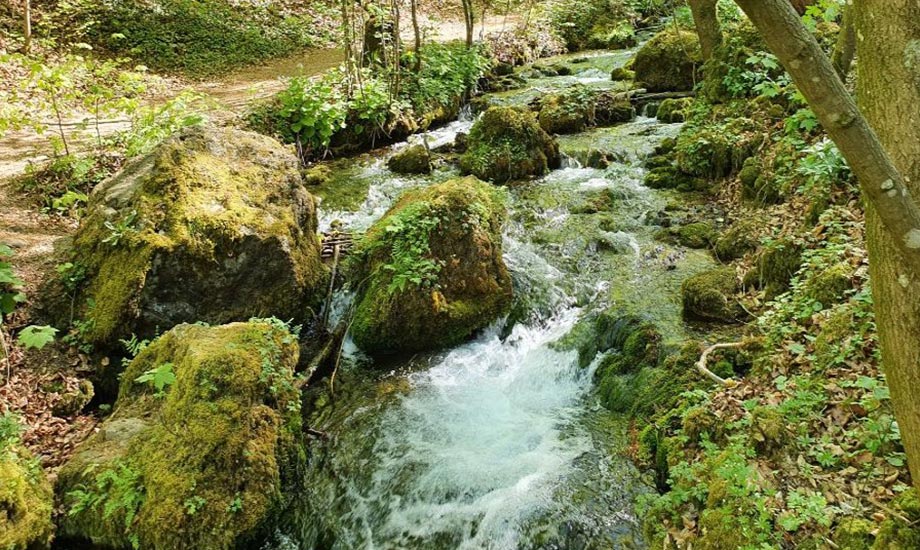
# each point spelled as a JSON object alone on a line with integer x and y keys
{"x": 433, "y": 269}
{"x": 622, "y": 73}
{"x": 777, "y": 264}
{"x": 319, "y": 174}
{"x": 674, "y": 110}
{"x": 894, "y": 534}
{"x": 696, "y": 235}
{"x": 25, "y": 500}
{"x": 561, "y": 115}
{"x": 710, "y": 295}
{"x": 830, "y": 285}
{"x": 207, "y": 457}
{"x": 768, "y": 429}
{"x": 507, "y": 144}
{"x": 757, "y": 185}
{"x": 854, "y": 534}
{"x": 736, "y": 242}
{"x": 411, "y": 160}
{"x": 157, "y": 237}
{"x": 669, "y": 62}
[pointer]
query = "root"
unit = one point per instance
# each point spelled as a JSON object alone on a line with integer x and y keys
{"x": 701, "y": 365}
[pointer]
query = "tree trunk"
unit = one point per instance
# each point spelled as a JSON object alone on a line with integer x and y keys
{"x": 26, "y": 26}
{"x": 889, "y": 95}
{"x": 418, "y": 36}
{"x": 469, "y": 20}
{"x": 706, "y": 20}
{"x": 882, "y": 184}
{"x": 845, "y": 48}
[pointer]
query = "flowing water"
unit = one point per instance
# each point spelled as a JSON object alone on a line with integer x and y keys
{"x": 497, "y": 443}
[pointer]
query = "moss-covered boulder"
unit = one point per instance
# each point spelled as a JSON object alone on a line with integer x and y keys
{"x": 776, "y": 264}
{"x": 508, "y": 144}
{"x": 214, "y": 225}
{"x": 757, "y": 184}
{"x": 433, "y": 269}
{"x": 611, "y": 108}
{"x": 26, "y": 500}
{"x": 695, "y": 235}
{"x": 710, "y": 295}
{"x": 829, "y": 286}
{"x": 669, "y": 62}
{"x": 414, "y": 159}
{"x": 737, "y": 241}
{"x": 622, "y": 74}
{"x": 565, "y": 114}
{"x": 202, "y": 449}
{"x": 853, "y": 533}
{"x": 674, "y": 110}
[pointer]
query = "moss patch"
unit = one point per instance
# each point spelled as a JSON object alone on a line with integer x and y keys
{"x": 508, "y": 144}
{"x": 710, "y": 295}
{"x": 411, "y": 160}
{"x": 200, "y": 462}
{"x": 433, "y": 269}
{"x": 25, "y": 500}
{"x": 669, "y": 62}
{"x": 214, "y": 225}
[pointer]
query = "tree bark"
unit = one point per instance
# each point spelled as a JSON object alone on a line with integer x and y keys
{"x": 882, "y": 184}
{"x": 889, "y": 94}
{"x": 845, "y": 48}
{"x": 418, "y": 36}
{"x": 706, "y": 20}
{"x": 26, "y": 26}
{"x": 469, "y": 20}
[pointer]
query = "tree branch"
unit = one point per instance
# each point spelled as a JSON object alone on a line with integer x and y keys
{"x": 882, "y": 185}
{"x": 701, "y": 365}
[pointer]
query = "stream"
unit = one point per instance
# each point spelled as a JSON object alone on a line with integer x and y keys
{"x": 499, "y": 442}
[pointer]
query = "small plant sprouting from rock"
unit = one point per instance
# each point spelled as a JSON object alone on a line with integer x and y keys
{"x": 160, "y": 377}
{"x": 120, "y": 229}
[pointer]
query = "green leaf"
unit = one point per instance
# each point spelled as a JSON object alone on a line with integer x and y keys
{"x": 37, "y": 337}
{"x": 158, "y": 377}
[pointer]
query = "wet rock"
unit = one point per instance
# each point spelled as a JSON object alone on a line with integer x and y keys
{"x": 209, "y": 447}
{"x": 710, "y": 295}
{"x": 669, "y": 62}
{"x": 214, "y": 225}
{"x": 622, "y": 74}
{"x": 414, "y": 159}
{"x": 434, "y": 269}
{"x": 565, "y": 114}
{"x": 320, "y": 174}
{"x": 695, "y": 235}
{"x": 674, "y": 110}
{"x": 610, "y": 109}
{"x": 507, "y": 144}
{"x": 26, "y": 500}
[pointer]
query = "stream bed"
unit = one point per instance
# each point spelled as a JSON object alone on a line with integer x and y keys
{"x": 499, "y": 442}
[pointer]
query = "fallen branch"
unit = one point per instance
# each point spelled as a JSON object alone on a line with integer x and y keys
{"x": 701, "y": 365}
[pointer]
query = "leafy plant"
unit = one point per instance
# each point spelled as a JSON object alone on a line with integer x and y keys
{"x": 37, "y": 337}
{"x": 159, "y": 377}
{"x": 115, "y": 490}
{"x": 118, "y": 230}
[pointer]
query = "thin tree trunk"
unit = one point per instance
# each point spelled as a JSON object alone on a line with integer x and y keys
{"x": 706, "y": 20}
{"x": 418, "y": 36}
{"x": 888, "y": 85}
{"x": 845, "y": 48}
{"x": 26, "y": 26}
{"x": 882, "y": 184}
{"x": 469, "y": 20}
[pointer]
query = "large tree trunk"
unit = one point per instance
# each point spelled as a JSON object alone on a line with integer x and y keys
{"x": 706, "y": 20}
{"x": 882, "y": 184}
{"x": 845, "y": 48}
{"x": 469, "y": 20}
{"x": 889, "y": 94}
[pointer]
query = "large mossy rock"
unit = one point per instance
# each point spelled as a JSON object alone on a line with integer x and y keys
{"x": 25, "y": 499}
{"x": 205, "y": 454}
{"x": 710, "y": 296}
{"x": 669, "y": 62}
{"x": 508, "y": 144}
{"x": 414, "y": 159}
{"x": 433, "y": 268}
{"x": 214, "y": 225}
